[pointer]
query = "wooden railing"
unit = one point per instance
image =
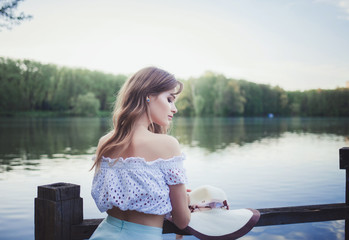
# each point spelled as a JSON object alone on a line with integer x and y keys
{"x": 59, "y": 211}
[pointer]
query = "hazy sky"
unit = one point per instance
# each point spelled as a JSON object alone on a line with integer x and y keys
{"x": 296, "y": 44}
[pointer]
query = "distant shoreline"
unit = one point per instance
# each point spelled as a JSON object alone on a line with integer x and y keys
{"x": 107, "y": 114}
{"x": 48, "y": 114}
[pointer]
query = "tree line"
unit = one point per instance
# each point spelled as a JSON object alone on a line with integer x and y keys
{"x": 27, "y": 85}
{"x": 216, "y": 95}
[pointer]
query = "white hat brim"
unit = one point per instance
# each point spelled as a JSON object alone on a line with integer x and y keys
{"x": 222, "y": 224}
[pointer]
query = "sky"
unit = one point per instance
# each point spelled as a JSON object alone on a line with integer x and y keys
{"x": 294, "y": 44}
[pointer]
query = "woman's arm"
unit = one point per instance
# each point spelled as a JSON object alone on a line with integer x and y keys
{"x": 167, "y": 147}
{"x": 180, "y": 201}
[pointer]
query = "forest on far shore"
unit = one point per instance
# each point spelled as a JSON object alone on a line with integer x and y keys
{"x": 29, "y": 86}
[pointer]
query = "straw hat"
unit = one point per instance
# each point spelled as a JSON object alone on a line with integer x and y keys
{"x": 211, "y": 217}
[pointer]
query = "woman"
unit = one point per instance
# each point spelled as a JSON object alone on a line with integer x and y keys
{"x": 139, "y": 174}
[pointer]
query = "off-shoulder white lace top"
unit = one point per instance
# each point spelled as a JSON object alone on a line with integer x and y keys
{"x": 135, "y": 184}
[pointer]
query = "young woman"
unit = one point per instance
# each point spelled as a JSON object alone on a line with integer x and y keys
{"x": 139, "y": 174}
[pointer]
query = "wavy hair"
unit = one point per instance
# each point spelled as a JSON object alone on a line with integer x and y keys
{"x": 131, "y": 105}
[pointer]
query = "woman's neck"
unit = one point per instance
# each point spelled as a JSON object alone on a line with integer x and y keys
{"x": 142, "y": 123}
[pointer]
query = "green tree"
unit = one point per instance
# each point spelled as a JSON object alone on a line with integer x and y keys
{"x": 86, "y": 105}
{"x": 204, "y": 94}
{"x": 26, "y": 85}
{"x": 233, "y": 102}
{"x": 228, "y": 101}
{"x": 294, "y": 103}
{"x": 252, "y": 94}
{"x": 184, "y": 102}
{"x": 10, "y": 77}
{"x": 34, "y": 84}
{"x": 8, "y": 17}
{"x": 106, "y": 87}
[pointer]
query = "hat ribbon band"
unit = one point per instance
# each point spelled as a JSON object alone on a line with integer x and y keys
{"x": 209, "y": 206}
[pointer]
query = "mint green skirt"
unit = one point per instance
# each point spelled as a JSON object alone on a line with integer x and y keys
{"x": 115, "y": 229}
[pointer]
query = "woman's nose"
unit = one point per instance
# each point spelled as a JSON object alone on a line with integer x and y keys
{"x": 174, "y": 109}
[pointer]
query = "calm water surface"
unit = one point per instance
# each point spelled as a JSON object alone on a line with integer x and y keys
{"x": 258, "y": 162}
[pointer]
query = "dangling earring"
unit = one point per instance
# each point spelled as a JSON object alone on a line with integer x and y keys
{"x": 148, "y": 100}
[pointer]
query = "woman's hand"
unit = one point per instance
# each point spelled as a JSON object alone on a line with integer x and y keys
{"x": 188, "y": 196}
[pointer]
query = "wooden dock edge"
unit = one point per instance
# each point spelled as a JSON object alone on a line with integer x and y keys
{"x": 59, "y": 212}
{"x": 269, "y": 217}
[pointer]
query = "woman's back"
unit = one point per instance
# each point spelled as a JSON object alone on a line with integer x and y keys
{"x": 159, "y": 151}
{"x": 152, "y": 146}
{"x": 147, "y": 145}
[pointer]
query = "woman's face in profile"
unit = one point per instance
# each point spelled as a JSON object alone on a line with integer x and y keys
{"x": 162, "y": 107}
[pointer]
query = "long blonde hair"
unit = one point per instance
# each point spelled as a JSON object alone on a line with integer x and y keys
{"x": 131, "y": 105}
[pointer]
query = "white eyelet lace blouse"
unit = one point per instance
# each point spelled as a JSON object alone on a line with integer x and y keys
{"x": 135, "y": 184}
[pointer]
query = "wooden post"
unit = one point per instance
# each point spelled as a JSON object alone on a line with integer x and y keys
{"x": 57, "y": 207}
{"x": 344, "y": 164}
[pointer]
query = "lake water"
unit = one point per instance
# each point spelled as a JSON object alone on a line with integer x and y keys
{"x": 258, "y": 162}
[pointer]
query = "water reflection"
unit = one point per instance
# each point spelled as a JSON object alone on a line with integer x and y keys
{"x": 333, "y": 230}
{"x": 218, "y": 133}
{"x": 259, "y": 162}
{"x": 25, "y": 140}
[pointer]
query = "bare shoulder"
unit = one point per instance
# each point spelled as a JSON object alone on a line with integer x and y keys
{"x": 169, "y": 143}
{"x": 104, "y": 138}
{"x": 166, "y": 146}
{"x": 160, "y": 146}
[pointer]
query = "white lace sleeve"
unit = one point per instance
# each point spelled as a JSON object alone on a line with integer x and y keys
{"x": 174, "y": 172}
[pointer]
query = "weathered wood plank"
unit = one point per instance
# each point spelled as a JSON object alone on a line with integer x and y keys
{"x": 303, "y": 214}
{"x": 169, "y": 227}
{"x": 269, "y": 216}
{"x": 46, "y": 219}
{"x": 59, "y": 191}
{"x": 85, "y": 229}
{"x": 344, "y": 164}
{"x": 344, "y": 158}
{"x": 57, "y": 207}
